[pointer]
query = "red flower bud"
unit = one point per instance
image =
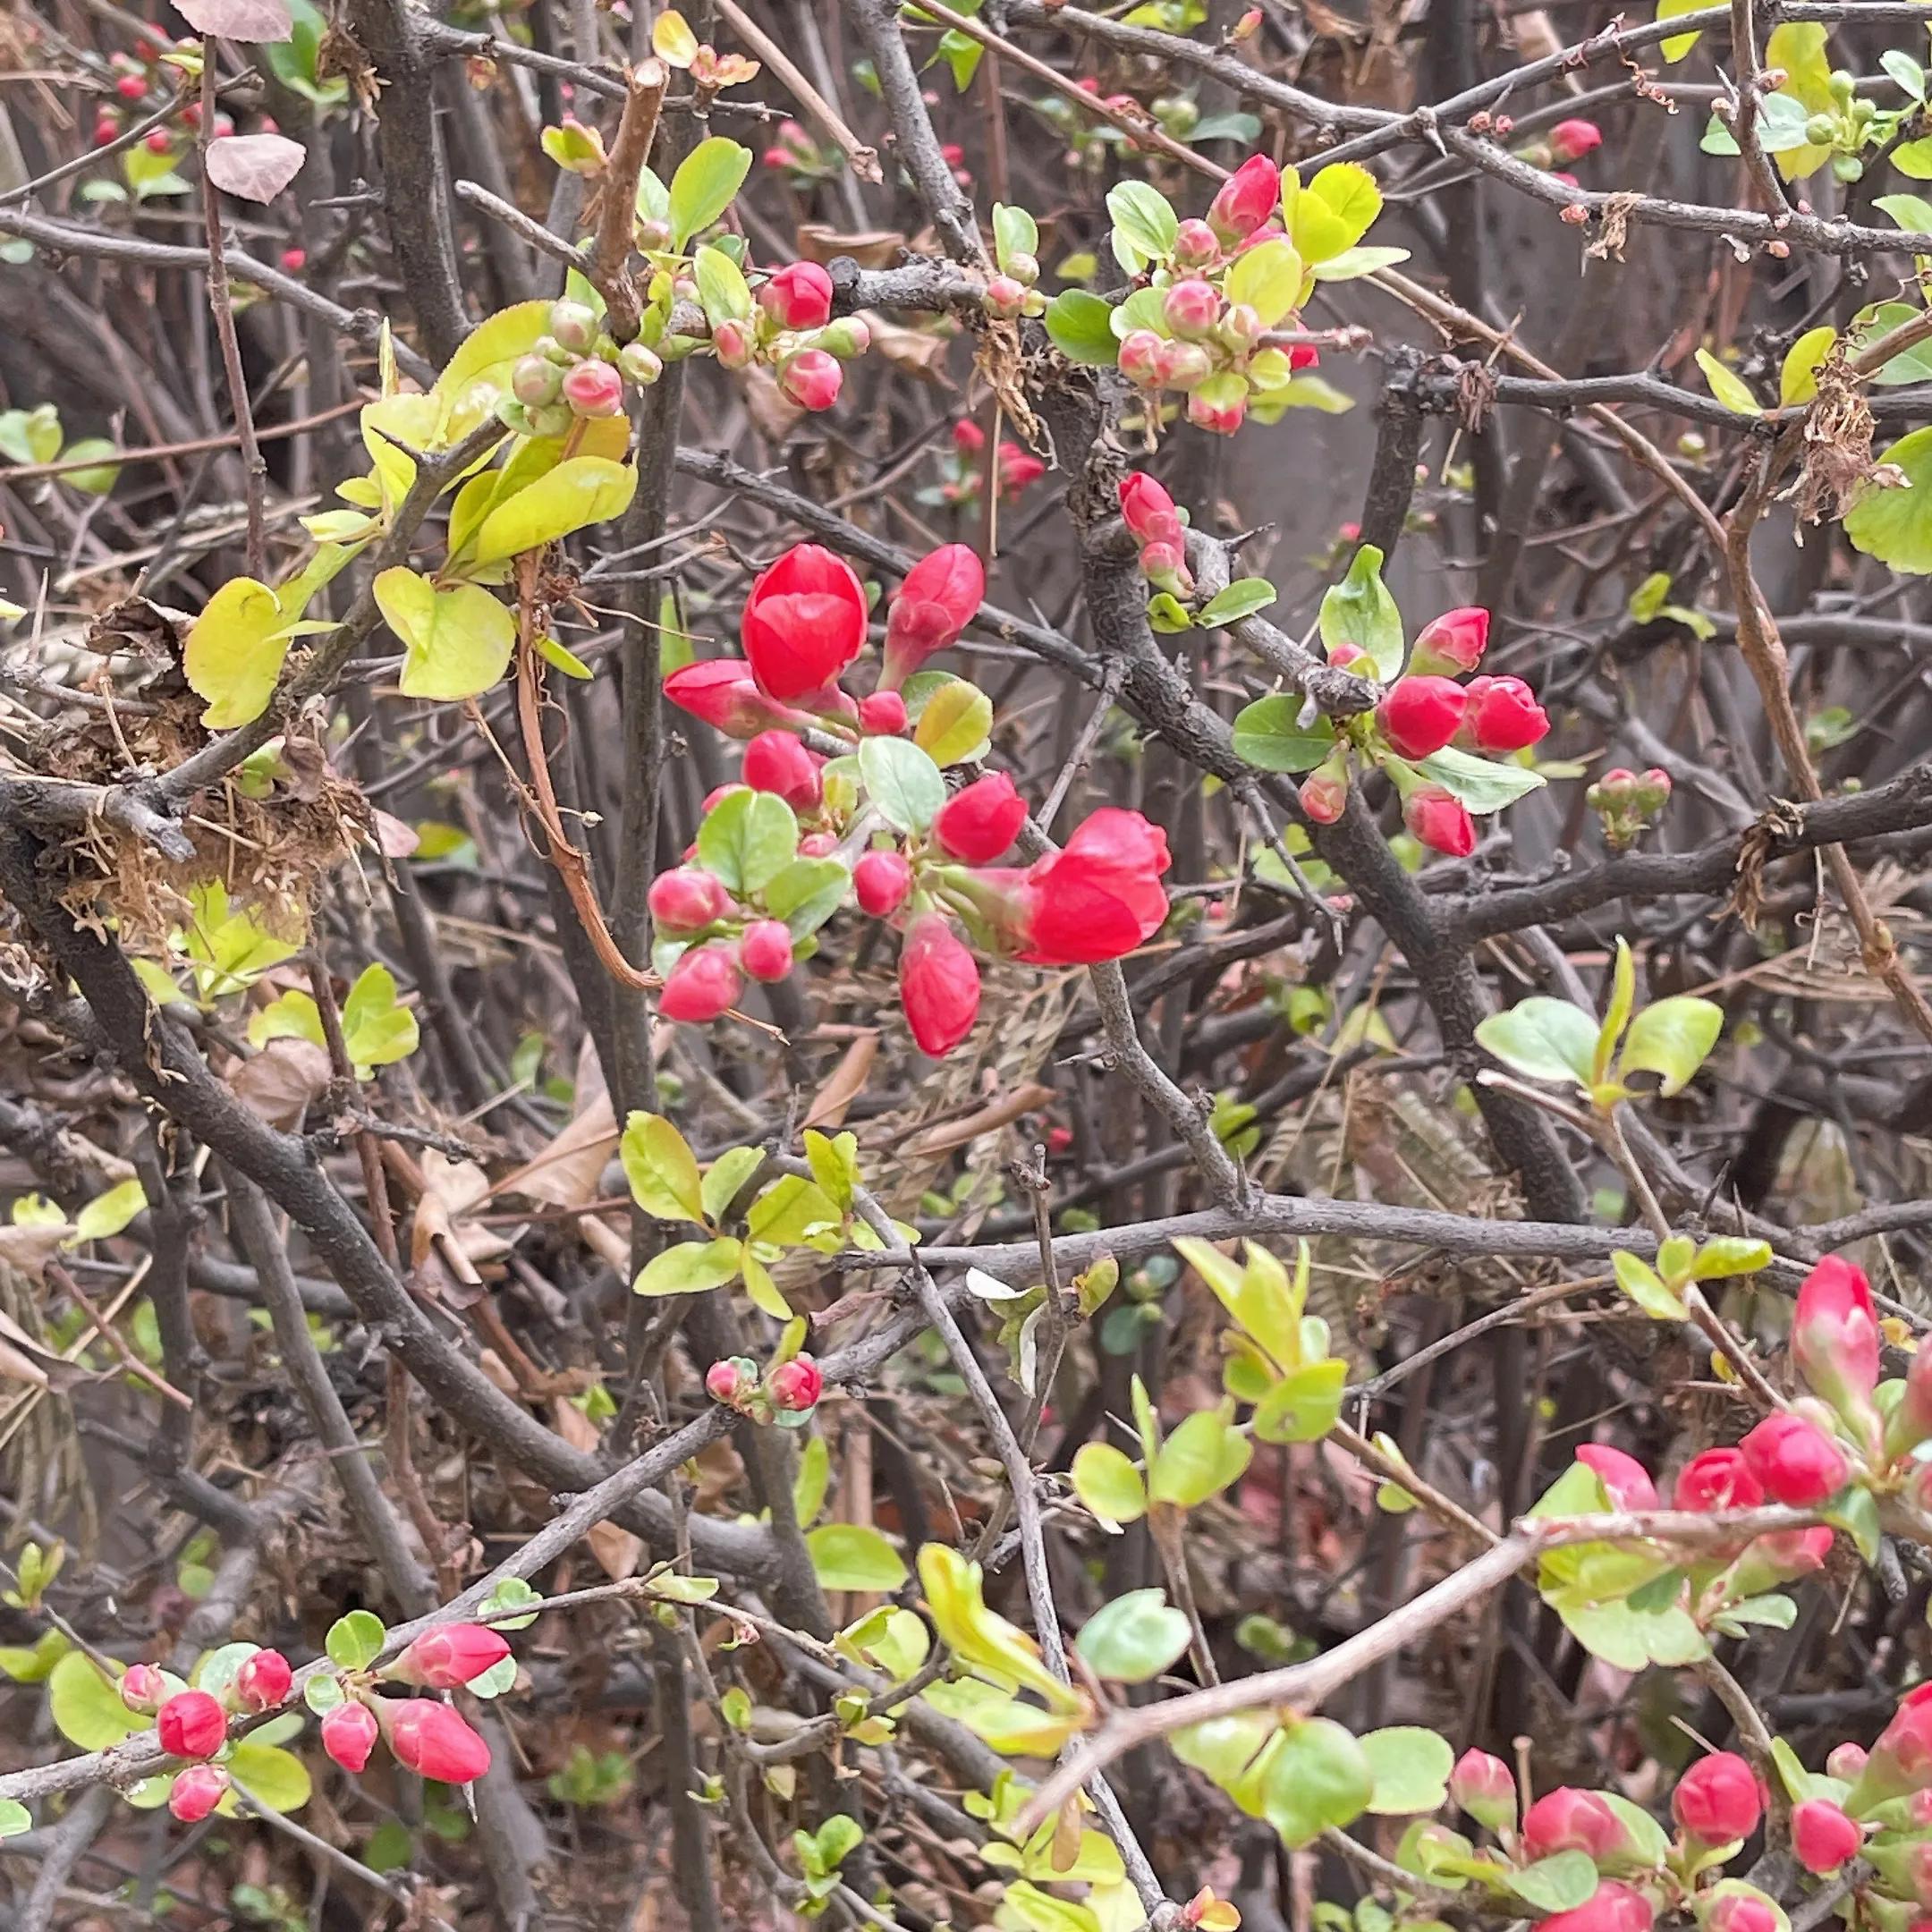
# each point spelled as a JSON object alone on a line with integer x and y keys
{"x": 1324, "y": 792}
{"x": 1611, "y": 1908}
{"x": 1782, "y": 1557}
{"x": 349, "y": 1734}
{"x": 157, "y": 140}
{"x": 724, "y": 693}
{"x": 967, "y": 436}
{"x": 940, "y": 597}
{"x": 1717, "y": 1479}
{"x": 804, "y": 622}
{"x": 705, "y": 982}
{"x": 1440, "y": 820}
{"x": 1182, "y": 365}
{"x": 1835, "y": 1340}
{"x": 765, "y": 950}
{"x": 977, "y": 824}
{"x": 132, "y": 87}
{"x": 1164, "y": 566}
{"x": 1567, "y": 1819}
{"x": 687, "y": 899}
{"x": 191, "y": 1725}
{"x": 1503, "y": 715}
{"x": 883, "y": 714}
{"x": 1019, "y": 470}
{"x": 1845, "y": 1761}
{"x": 731, "y": 1380}
{"x": 1196, "y": 245}
{"x": 1484, "y": 1788}
{"x": 263, "y": 1681}
{"x": 196, "y": 1792}
{"x": 1140, "y": 358}
{"x": 143, "y": 1689}
{"x": 1191, "y": 308}
{"x": 733, "y": 344}
{"x": 1731, "y": 1906}
{"x": 1246, "y": 200}
{"x": 1421, "y": 715}
{"x": 882, "y": 883}
{"x": 294, "y": 261}
{"x": 938, "y": 984}
{"x": 1717, "y": 1800}
{"x": 1148, "y": 511}
{"x": 799, "y": 296}
{"x": 776, "y": 761}
{"x": 1571, "y": 141}
{"x": 593, "y": 389}
{"x": 1097, "y": 898}
{"x": 1625, "y": 1479}
{"x": 1221, "y": 413}
{"x": 795, "y": 1386}
{"x": 1795, "y": 1462}
{"x": 449, "y": 1655}
{"x": 812, "y": 380}
{"x": 1823, "y": 1836}
{"x": 432, "y": 1741}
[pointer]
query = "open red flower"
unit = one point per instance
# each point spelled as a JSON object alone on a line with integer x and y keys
{"x": 936, "y": 602}
{"x": 1717, "y": 1479}
{"x": 1100, "y": 896}
{"x": 804, "y": 622}
{"x": 938, "y": 984}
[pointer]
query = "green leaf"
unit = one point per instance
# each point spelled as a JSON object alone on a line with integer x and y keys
{"x": 509, "y": 1593}
{"x": 662, "y": 1169}
{"x": 1081, "y": 327}
{"x": 1267, "y": 278}
{"x": 1672, "y": 1037}
{"x": 1359, "y": 611}
{"x": 377, "y": 1028}
{"x": 355, "y": 1641}
{"x": 1678, "y": 45}
{"x": 1133, "y": 1639}
{"x": 1411, "y": 1768}
{"x": 1895, "y": 525}
{"x": 1107, "y": 1482}
{"x": 955, "y": 723}
{"x": 1911, "y": 212}
{"x": 1730, "y": 389}
{"x": 1798, "y": 373}
{"x": 1242, "y": 598}
{"x": 689, "y": 1267}
{"x": 458, "y": 640}
{"x": 848, "y": 1556}
{"x": 1353, "y": 263}
{"x": 1557, "y": 1883}
{"x": 86, "y": 1708}
{"x": 978, "y": 1637}
{"x": 1543, "y": 1039}
{"x": 1730, "y": 1254}
{"x": 901, "y": 781}
{"x": 721, "y": 286}
{"x": 806, "y": 894}
{"x": 1200, "y": 1459}
{"x": 1315, "y": 1776}
{"x": 748, "y": 838}
{"x": 1856, "y": 1513}
{"x": 1269, "y": 735}
{"x": 267, "y": 1771}
{"x": 707, "y": 182}
{"x": 479, "y": 373}
{"x": 833, "y": 1159}
{"x": 811, "y": 1480}
{"x": 1305, "y": 1405}
{"x": 726, "y": 1176}
{"x": 14, "y": 1818}
{"x": 1912, "y": 365}
{"x": 235, "y": 653}
{"x": 107, "y": 1213}
{"x": 1484, "y": 785}
{"x": 99, "y": 481}
{"x": 1014, "y": 233}
{"x": 1145, "y": 225}
{"x": 575, "y": 494}
{"x": 1646, "y": 1287}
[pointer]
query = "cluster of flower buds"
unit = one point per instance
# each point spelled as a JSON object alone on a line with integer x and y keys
{"x": 575, "y": 372}
{"x": 142, "y": 84}
{"x": 193, "y": 1724}
{"x": 1158, "y": 527}
{"x": 1565, "y": 144}
{"x": 794, "y": 152}
{"x": 1015, "y": 469}
{"x": 424, "y": 1734}
{"x": 1628, "y": 803}
{"x": 1425, "y": 710}
{"x": 791, "y": 331}
{"x": 786, "y": 1393}
{"x": 804, "y": 626}
{"x": 1213, "y": 351}
{"x": 1011, "y": 293}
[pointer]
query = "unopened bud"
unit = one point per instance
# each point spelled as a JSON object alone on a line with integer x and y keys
{"x": 639, "y": 365}
{"x": 536, "y": 380}
{"x": 1575, "y": 214}
{"x": 573, "y": 325}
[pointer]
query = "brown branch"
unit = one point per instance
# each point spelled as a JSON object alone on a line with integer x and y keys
{"x": 617, "y": 197}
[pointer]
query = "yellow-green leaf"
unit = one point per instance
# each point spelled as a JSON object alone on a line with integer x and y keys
{"x": 1267, "y": 278}
{"x": 662, "y": 1169}
{"x": 1797, "y": 378}
{"x": 849, "y": 1556}
{"x": 458, "y": 640}
{"x": 955, "y": 724}
{"x": 689, "y": 1267}
{"x": 585, "y": 490}
{"x": 107, "y": 1213}
{"x": 1678, "y": 45}
{"x": 233, "y": 656}
{"x": 377, "y": 1028}
{"x": 1730, "y": 389}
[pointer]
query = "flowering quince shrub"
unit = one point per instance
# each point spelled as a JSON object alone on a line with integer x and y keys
{"x": 755, "y": 1170}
